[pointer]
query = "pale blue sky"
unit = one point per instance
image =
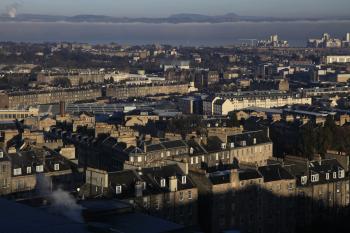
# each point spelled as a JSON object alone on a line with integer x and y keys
{"x": 156, "y": 8}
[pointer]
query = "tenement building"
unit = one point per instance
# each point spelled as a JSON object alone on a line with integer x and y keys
{"x": 124, "y": 92}
{"x": 223, "y": 103}
{"x": 248, "y": 199}
{"x": 167, "y": 192}
{"x": 17, "y": 99}
{"x": 21, "y": 170}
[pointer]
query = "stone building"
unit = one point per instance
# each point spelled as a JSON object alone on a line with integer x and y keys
{"x": 223, "y": 103}
{"x": 246, "y": 199}
{"x": 34, "y": 97}
{"x": 84, "y": 119}
{"x": 22, "y": 169}
{"x": 138, "y": 117}
{"x": 166, "y": 192}
{"x": 125, "y": 92}
{"x": 203, "y": 79}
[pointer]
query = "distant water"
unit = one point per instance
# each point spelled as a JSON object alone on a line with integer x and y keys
{"x": 193, "y": 34}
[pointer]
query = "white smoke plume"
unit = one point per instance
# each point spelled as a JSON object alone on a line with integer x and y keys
{"x": 11, "y": 10}
{"x": 62, "y": 202}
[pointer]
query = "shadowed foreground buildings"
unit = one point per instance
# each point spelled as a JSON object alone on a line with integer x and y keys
{"x": 268, "y": 199}
{"x": 166, "y": 192}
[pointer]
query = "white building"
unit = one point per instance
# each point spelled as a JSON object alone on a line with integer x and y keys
{"x": 337, "y": 59}
{"x": 225, "y": 104}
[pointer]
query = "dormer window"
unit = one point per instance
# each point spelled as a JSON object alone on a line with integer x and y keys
{"x": 341, "y": 173}
{"x": 183, "y": 179}
{"x": 17, "y": 171}
{"x": 118, "y": 189}
{"x": 1, "y": 154}
{"x": 303, "y": 180}
{"x": 314, "y": 178}
{"x": 144, "y": 185}
{"x": 334, "y": 175}
{"x": 29, "y": 170}
{"x": 39, "y": 168}
{"x": 57, "y": 166}
{"x": 327, "y": 176}
{"x": 162, "y": 183}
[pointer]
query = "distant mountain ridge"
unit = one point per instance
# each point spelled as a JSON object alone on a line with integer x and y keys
{"x": 177, "y": 18}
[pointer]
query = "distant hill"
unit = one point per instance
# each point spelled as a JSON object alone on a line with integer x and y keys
{"x": 177, "y": 18}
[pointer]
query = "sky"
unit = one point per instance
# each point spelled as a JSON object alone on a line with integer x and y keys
{"x": 161, "y": 8}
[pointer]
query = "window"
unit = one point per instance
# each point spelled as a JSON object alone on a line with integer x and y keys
{"x": 118, "y": 189}
{"x": 39, "y": 168}
{"x": 314, "y": 178}
{"x": 181, "y": 197}
{"x": 145, "y": 202}
{"x": 290, "y": 186}
{"x": 327, "y": 176}
{"x": 168, "y": 153}
{"x": 29, "y": 170}
{"x": 189, "y": 195}
{"x": 197, "y": 160}
{"x": 191, "y": 160}
{"x": 156, "y": 205}
{"x": 334, "y": 175}
{"x": 162, "y": 183}
{"x": 303, "y": 180}
{"x": 57, "y": 167}
{"x": 17, "y": 171}
{"x": 338, "y": 187}
{"x": 217, "y": 156}
{"x": 3, "y": 183}
{"x": 341, "y": 174}
{"x": 183, "y": 179}
{"x": 139, "y": 159}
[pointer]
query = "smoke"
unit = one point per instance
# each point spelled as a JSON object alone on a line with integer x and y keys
{"x": 62, "y": 202}
{"x": 11, "y": 10}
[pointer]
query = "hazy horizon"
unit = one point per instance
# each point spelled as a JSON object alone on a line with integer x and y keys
{"x": 164, "y": 8}
{"x": 192, "y": 34}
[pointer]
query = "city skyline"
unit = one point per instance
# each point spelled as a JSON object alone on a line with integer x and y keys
{"x": 161, "y": 8}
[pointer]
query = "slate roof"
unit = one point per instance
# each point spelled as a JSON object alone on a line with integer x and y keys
{"x": 248, "y": 174}
{"x": 151, "y": 177}
{"x": 260, "y": 137}
{"x": 274, "y": 173}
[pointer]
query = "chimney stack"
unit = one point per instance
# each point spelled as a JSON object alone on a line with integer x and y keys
{"x": 138, "y": 189}
{"x": 62, "y": 108}
{"x": 173, "y": 184}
